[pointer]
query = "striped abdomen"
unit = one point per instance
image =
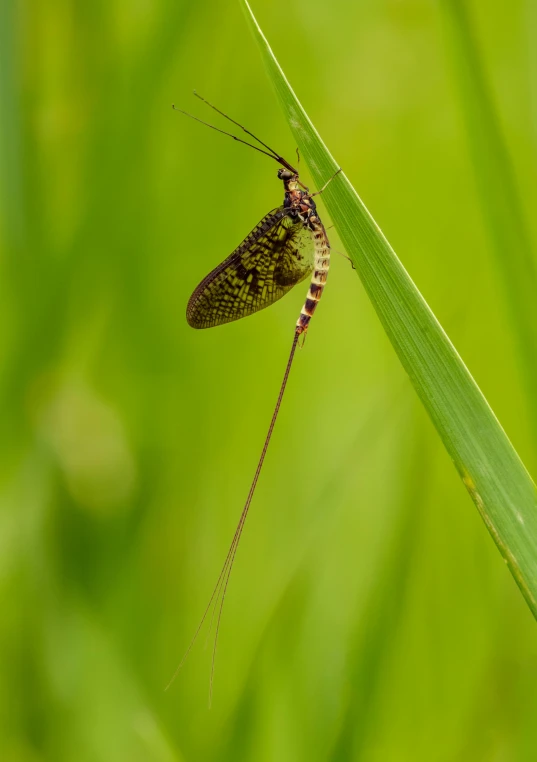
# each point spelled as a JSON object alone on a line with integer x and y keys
{"x": 320, "y": 272}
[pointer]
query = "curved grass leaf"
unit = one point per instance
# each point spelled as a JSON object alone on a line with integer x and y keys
{"x": 489, "y": 466}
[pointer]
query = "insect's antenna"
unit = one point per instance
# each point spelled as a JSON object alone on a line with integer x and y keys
{"x": 251, "y": 134}
{"x": 218, "y": 596}
{"x": 244, "y": 142}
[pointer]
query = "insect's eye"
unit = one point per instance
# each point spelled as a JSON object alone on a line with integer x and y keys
{"x": 284, "y": 174}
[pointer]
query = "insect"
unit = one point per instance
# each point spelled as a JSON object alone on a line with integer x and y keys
{"x": 288, "y": 245}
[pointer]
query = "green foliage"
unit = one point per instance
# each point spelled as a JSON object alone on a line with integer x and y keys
{"x": 498, "y": 190}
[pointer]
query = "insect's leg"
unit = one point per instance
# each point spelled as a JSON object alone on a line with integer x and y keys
{"x": 327, "y": 183}
{"x": 341, "y": 254}
{"x": 298, "y": 158}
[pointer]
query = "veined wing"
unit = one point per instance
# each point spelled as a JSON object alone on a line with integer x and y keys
{"x": 276, "y": 255}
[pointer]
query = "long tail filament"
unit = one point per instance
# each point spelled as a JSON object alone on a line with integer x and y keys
{"x": 216, "y": 602}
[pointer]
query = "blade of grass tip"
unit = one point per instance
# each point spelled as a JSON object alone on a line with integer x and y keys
{"x": 489, "y": 466}
{"x": 497, "y": 190}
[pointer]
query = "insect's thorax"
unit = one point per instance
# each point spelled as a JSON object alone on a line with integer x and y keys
{"x": 299, "y": 202}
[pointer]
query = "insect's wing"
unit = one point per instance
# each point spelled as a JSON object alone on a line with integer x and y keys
{"x": 276, "y": 255}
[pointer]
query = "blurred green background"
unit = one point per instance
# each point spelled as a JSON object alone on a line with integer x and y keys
{"x": 369, "y": 616}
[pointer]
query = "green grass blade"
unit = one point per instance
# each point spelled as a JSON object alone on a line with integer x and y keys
{"x": 497, "y": 189}
{"x": 490, "y": 468}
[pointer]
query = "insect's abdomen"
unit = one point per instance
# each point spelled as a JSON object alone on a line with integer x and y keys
{"x": 320, "y": 273}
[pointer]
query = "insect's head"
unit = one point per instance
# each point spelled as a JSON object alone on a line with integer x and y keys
{"x": 286, "y": 174}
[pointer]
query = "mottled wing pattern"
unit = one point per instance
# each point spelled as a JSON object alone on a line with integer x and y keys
{"x": 276, "y": 255}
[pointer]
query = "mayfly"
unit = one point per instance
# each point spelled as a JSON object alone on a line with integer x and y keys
{"x": 288, "y": 245}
